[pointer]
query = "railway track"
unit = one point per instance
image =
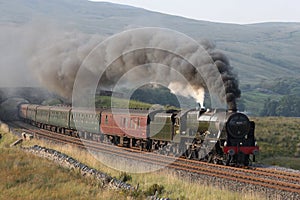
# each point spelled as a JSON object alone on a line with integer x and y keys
{"x": 268, "y": 178}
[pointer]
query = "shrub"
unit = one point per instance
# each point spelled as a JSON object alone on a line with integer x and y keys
{"x": 125, "y": 177}
{"x": 155, "y": 188}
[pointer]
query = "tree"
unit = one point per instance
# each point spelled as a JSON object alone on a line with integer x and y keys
{"x": 270, "y": 107}
{"x": 288, "y": 106}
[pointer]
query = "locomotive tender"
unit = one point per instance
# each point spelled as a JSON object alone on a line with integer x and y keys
{"x": 217, "y": 136}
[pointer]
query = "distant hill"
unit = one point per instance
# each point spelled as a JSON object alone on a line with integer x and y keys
{"x": 258, "y": 52}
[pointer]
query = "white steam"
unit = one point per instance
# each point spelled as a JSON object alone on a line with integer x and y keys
{"x": 188, "y": 91}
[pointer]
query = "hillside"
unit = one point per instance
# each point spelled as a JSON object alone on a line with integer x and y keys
{"x": 258, "y": 52}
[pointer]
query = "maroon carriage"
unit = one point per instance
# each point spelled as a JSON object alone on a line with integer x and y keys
{"x": 125, "y": 123}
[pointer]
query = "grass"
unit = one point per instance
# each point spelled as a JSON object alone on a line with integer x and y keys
{"x": 24, "y": 176}
{"x": 278, "y": 138}
{"x": 289, "y": 162}
{"x": 29, "y": 177}
{"x": 106, "y": 101}
{"x": 179, "y": 188}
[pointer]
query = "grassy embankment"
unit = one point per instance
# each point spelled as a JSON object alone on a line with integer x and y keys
{"x": 278, "y": 138}
{"x": 24, "y": 176}
{"x": 106, "y": 101}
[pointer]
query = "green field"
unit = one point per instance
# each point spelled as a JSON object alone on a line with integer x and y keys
{"x": 278, "y": 138}
{"x": 106, "y": 101}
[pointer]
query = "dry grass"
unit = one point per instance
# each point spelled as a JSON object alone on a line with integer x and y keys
{"x": 24, "y": 176}
{"x": 174, "y": 187}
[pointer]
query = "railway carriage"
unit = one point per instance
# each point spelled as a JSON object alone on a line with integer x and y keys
{"x": 31, "y": 113}
{"x": 23, "y": 110}
{"x": 59, "y": 118}
{"x": 217, "y": 136}
{"x": 125, "y": 128}
{"x": 86, "y": 122}
{"x": 42, "y": 116}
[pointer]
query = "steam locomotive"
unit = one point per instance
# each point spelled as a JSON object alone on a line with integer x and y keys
{"x": 216, "y": 136}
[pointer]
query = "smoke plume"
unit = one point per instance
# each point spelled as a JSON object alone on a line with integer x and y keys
{"x": 189, "y": 65}
{"x": 55, "y": 57}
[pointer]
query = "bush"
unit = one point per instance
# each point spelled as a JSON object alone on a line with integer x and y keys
{"x": 155, "y": 188}
{"x": 125, "y": 177}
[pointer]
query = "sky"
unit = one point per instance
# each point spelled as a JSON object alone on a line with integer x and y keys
{"x": 226, "y": 11}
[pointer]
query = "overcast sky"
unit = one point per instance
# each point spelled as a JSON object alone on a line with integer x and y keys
{"x": 228, "y": 11}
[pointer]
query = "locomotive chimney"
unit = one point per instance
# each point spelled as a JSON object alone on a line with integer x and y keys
{"x": 232, "y": 110}
{"x": 232, "y": 107}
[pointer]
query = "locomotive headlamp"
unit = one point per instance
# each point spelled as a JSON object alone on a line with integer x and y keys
{"x": 255, "y": 152}
{"x": 231, "y": 152}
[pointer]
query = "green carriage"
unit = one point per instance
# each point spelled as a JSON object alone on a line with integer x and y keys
{"x": 60, "y": 116}
{"x": 86, "y": 120}
{"x": 43, "y": 114}
{"x": 31, "y": 112}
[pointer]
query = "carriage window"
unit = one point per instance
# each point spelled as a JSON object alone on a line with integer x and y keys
{"x": 138, "y": 122}
{"x": 106, "y": 119}
{"x": 135, "y": 123}
{"x": 124, "y": 122}
{"x": 131, "y": 125}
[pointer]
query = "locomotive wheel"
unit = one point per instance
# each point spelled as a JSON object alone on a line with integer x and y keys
{"x": 190, "y": 154}
{"x": 247, "y": 160}
{"x": 209, "y": 158}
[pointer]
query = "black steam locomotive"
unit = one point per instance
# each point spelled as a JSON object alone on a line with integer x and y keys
{"x": 217, "y": 136}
